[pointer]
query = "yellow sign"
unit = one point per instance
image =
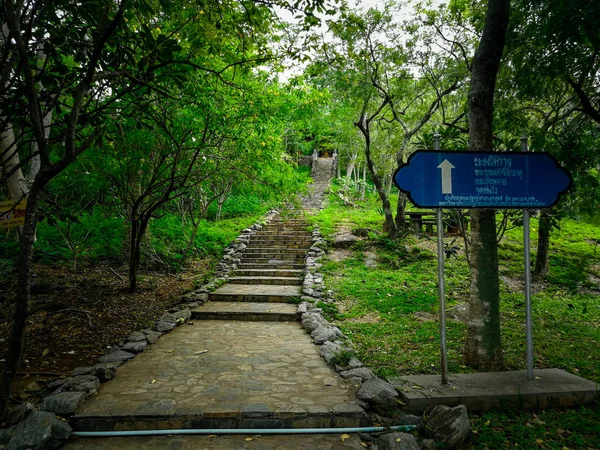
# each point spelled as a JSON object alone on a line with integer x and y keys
{"x": 12, "y": 214}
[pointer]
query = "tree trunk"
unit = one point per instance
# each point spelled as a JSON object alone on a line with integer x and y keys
{"x": 483, "y": 348}
{"x": 388, "y": 226}
{"x": 21, "y": 312}
{"x": 138, "y": 229}
{"x": 541, "y": 258}
{"x": 401, "y": 211}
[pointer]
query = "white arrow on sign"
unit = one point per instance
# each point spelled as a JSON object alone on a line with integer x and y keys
{"x": 446, "y": 167}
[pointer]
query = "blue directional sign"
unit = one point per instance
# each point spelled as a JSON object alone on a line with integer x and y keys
{"x": 435, "y": 179}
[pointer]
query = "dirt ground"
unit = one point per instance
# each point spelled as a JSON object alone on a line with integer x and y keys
{"x": 77, "y": 315}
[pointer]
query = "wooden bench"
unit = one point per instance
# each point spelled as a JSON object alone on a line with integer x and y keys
{"x": 418, "y": 219}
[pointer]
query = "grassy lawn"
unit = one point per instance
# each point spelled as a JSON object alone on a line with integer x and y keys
{"x": 390, "y": 311}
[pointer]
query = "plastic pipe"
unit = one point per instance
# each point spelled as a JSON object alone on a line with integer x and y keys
{"x": 241, "y": 431}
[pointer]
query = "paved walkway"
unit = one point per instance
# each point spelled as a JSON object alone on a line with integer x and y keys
{"x": 243, "y": 362}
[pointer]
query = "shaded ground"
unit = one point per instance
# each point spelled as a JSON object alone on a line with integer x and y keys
{"x": 76, "y": 315}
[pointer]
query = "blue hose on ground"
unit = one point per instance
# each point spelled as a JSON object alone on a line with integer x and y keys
{"x": 261, "y": 431}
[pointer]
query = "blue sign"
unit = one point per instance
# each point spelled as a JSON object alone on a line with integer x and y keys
{"x": 434, "y": 179}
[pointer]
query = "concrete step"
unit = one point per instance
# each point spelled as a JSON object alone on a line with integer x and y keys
{"x": 268, "y": 273}
{"x": 280, "y": 245}
{"x": 273, "y": 260}
{"x": 275, "y": 250}
{"x": 268, "y": 312}
{"x": 276, "y": 264}
{"x": 260, "y": 293}
{"x": 279, "y": 281}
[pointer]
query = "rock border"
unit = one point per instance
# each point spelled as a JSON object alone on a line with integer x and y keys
{"x": 448, "y": 426}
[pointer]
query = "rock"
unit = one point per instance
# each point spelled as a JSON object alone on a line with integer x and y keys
{"x": 167, "y": 317}
{"x": 183, "y": 315}
{"x": 377, "y": 392}
{"x": 329, "y": 350}
{"x": 5, "y": 435}
{"x": 16, "y": 415}
{"x": 447, "y": 425}
{"x": 344, "y": 239}
{"x": 136, "y": 347}
{"x": 312, "y": 321}
{"x": 106, "y": 371}
{"x": 397, "y": 441}
{"x": 428, "y": 444}
{"x": 361, "y": 372}
{"x": 136, "y": 336}
{"x": 323, "y": 334}
{"x": 63, "y": 403}
{"x": 163, "y": 326}
{"x": 83, "y": 371}
{"x": 151, "y": 336}
{"x": 41, "y": 430}
{"x": 303, "y": 307}
{"x": 81, "y": 383}
{"x": 371, "y": 260}
{"x": 118, "y": 356}
{"x": 354, "y": 363}
{"x": 33, "y": 387}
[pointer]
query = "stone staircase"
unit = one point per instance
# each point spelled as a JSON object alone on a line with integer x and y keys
{"x": 270, "y": 271}
{"x": 245, "y": 361}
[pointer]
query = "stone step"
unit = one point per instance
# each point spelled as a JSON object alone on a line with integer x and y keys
{"x": 280, "y": 239}
{"x": 275, "y": 250}
{"x": 268, "y": 273}
{"x": 276, "y": 264}
{"x": 280, "y": 245}
{"x": 268, "y": 312}
{"x": 279, "y": 281}
{"x": 260, "y": 293}
{"x": 275, "y": 260}
{"x": 285, "y": 228}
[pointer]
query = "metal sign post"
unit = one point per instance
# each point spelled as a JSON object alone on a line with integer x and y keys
{"x": 441, "y": 285}
{"x": 527, "y": 252}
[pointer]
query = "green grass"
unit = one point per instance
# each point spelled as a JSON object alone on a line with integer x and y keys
{"x": 390, "y": 311}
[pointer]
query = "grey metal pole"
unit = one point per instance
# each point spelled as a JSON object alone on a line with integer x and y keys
{"x": 441, "y": 285}
{"x": 527, "y": 252}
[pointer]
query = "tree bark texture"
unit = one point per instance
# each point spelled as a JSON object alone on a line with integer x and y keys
{"x": 543, "y": 247}
{"x": 483, "y": 348}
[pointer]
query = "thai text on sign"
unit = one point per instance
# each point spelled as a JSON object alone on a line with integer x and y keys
{"x": 12, "y": 214}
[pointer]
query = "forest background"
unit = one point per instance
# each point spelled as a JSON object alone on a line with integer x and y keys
{"x": 146, "y": 134}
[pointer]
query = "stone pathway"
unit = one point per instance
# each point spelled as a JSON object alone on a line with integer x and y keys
{"x": 243, "y": 362}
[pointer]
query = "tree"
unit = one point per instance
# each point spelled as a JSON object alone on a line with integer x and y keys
{"x": 483, "y": 346}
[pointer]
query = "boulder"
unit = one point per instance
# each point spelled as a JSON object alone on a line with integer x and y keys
{"x": 354, "y": 363}
{"x": 63, "y": 403}
{"x": 449, "y": 426}
{"x": 377, "y": 392}
{"x": 118, "y": 356}
{"x": 323, "y": 334}
{"x": 167, "y": 317}
{"x": 428, "y": 444}
{"x": 41, "y": 430}
{"x": 397, "y": 441}
{"x": 136, "y": 347}
{"x": 106, "y": 371}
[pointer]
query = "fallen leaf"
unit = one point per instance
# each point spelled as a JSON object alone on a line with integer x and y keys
{"x": 539, "y": 441}
{"x": 398, "y": 439}
{"x": 210, "y": 436}
{"x": 45, "y": 352}
{"x": 343, "y": 437}
{"x": 487, "y": 423}
{"x": 364, "y": 445}
{"x": 200, "y": 352}
{"x": 252, "y": 438}
{"x": 153, "y": 381}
